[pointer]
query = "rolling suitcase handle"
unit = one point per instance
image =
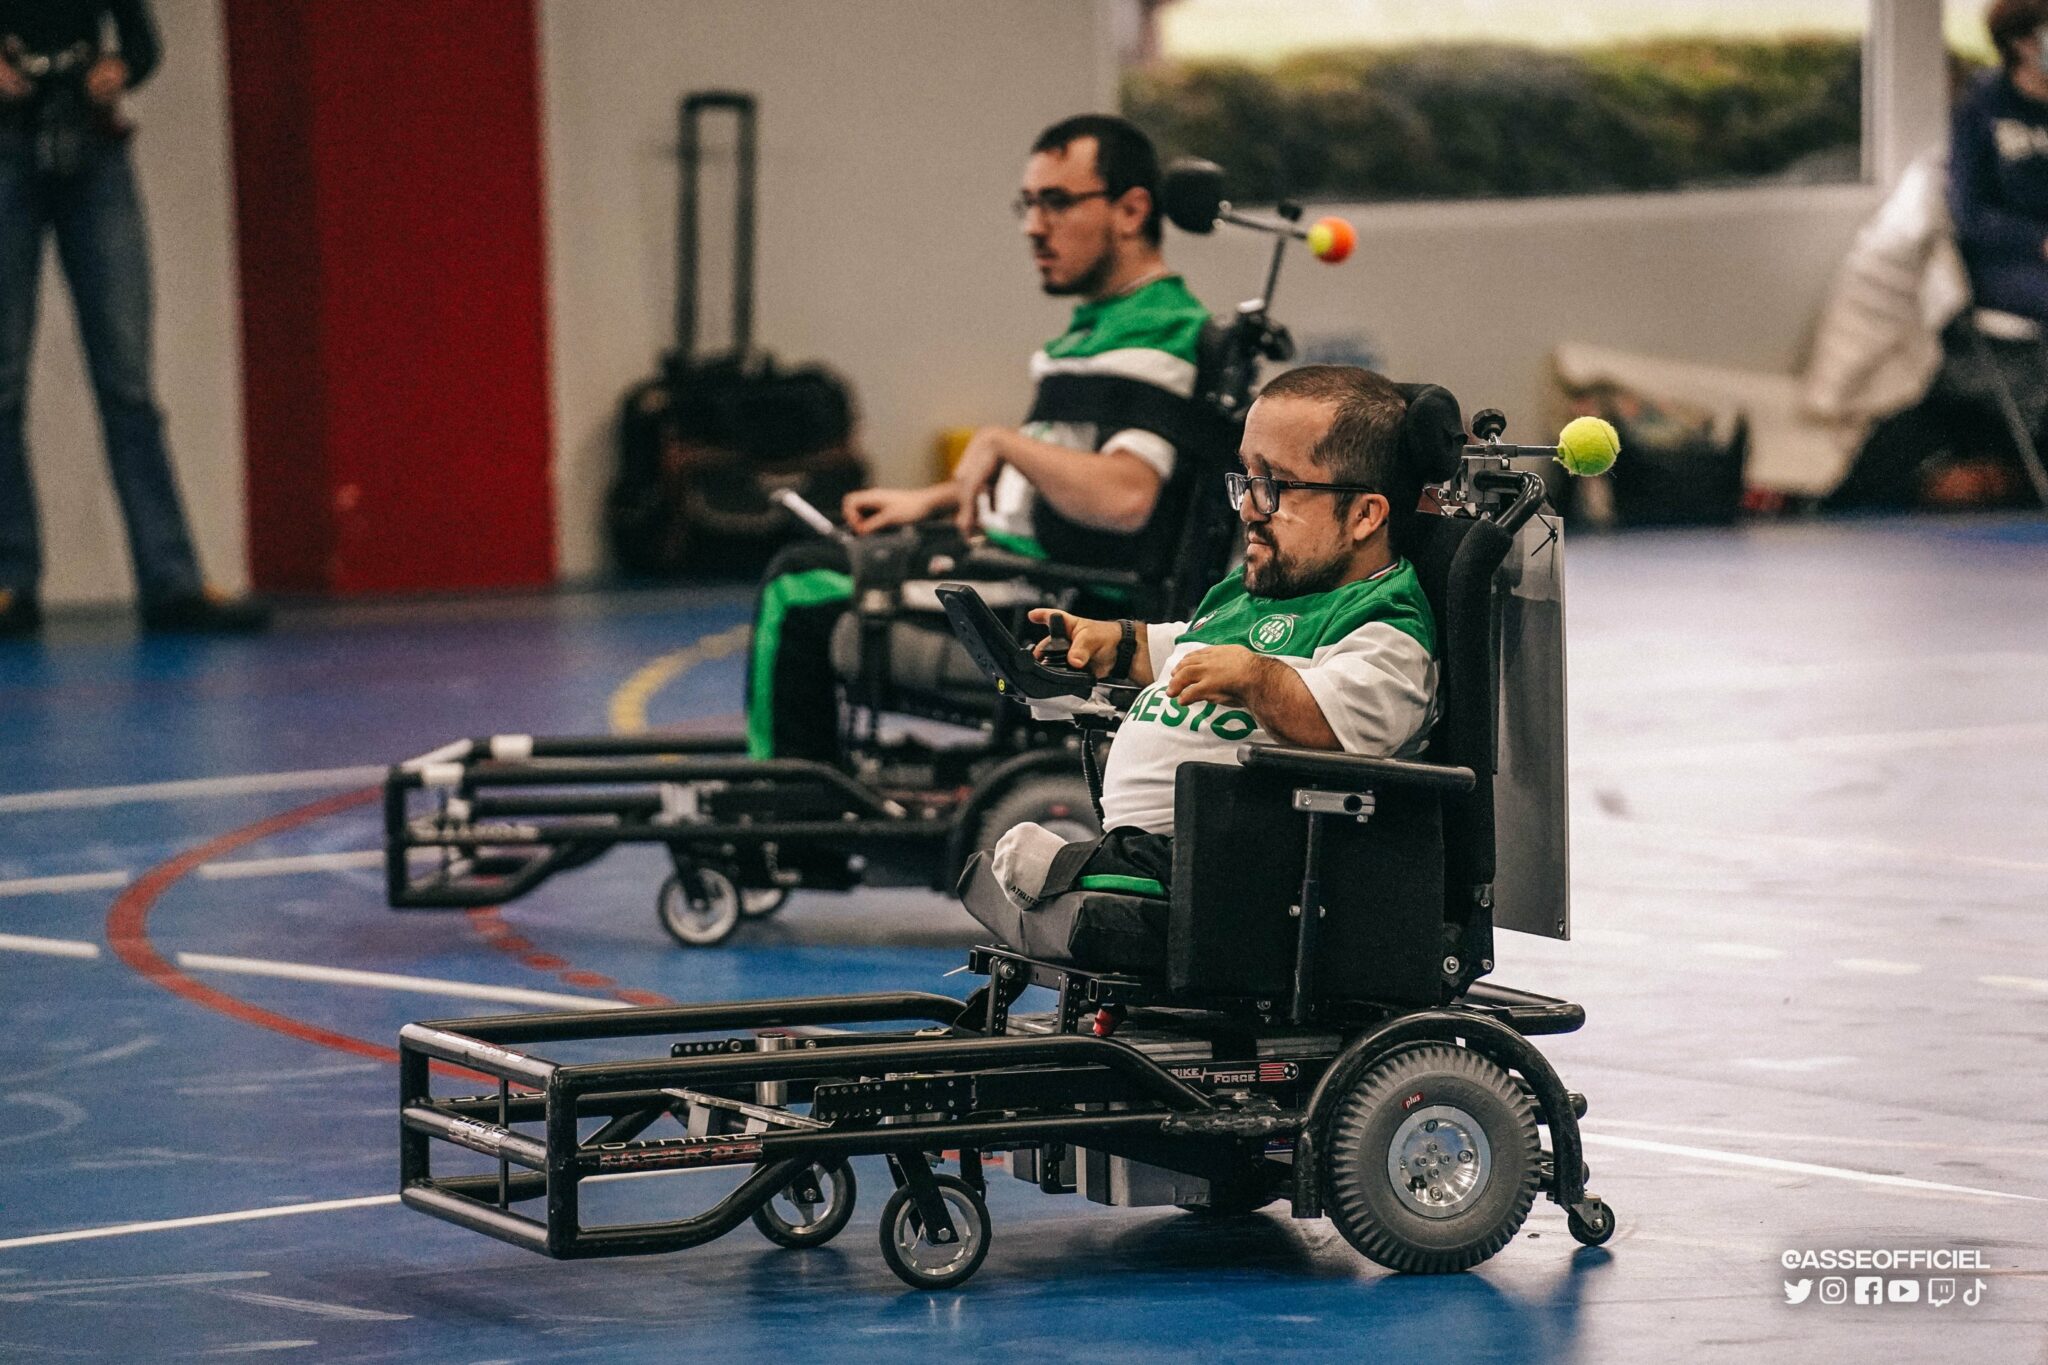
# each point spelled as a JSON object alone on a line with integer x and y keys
{"x": 745, "y": 110}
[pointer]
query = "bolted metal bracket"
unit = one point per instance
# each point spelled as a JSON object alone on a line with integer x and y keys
{"x": 1359, "y": 805}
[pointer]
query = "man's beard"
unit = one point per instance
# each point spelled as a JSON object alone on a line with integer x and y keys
{"x": 1283, "y": 576}
{"x": 1089, "y": 282}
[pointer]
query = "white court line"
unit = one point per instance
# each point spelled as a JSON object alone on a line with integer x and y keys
{"x": 1768, "y": 1163}
{"x": 2018, "y": 983}
{"x": 203, "y": 1220}
{"x": 1876, "y": 742}
{"x": 279, "y": 1211}
{"x": 303, "y": 862}
{"x": 1746, "y": 952}
{"x": 84, "y": 798}
{"x": 221, "y": 871}
{"x": 424, "y": 985}
{"x": 338, "y": 976}
{"x": 49, "y": 947}
{"x": 375, "y": 1200}
{"x": 1808, "y": 844}
{"x": 1877, "y": 966}
{"x": 1722, "y": 675}
{"x": 71, "y": 881}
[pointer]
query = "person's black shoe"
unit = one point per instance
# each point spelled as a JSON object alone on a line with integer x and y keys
{"x": 20, "y": 614}
{"x": 205, "y": 613}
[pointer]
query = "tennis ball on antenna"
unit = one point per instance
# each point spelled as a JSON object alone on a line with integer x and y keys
{"x": 1330, "y": 239}
{"x": 1587, "y": 446}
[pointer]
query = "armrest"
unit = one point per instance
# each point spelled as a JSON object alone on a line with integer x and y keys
{"x": 1330, "y": 765}
{"x": 991, "y": 563}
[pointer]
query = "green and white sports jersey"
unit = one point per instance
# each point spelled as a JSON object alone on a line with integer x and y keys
{"x": 1366, "y": 651}
{"x": 1121, "y": 377}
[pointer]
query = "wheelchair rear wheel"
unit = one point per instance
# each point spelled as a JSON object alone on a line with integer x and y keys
{"x": 811, "y": 1210}
{"x": 1430, "y": 1161}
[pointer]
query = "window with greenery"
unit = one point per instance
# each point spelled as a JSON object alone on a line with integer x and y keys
{"x": 1372, "y": 100}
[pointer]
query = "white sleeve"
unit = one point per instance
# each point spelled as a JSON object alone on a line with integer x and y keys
{"x": 1149, "y": 446}
{"x": 1376, "y": 688}
{"x": 1160, "y": 638}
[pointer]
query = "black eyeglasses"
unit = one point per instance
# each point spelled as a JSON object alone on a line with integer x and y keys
{"x": 1265, "y": 492}
{"x": 1053, "y": 202}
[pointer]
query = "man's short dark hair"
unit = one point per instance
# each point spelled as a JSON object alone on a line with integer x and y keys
{"x": 2011, "y": 20}
{"x": 1124, "y": 158}
{"x": 1363, "y": 443}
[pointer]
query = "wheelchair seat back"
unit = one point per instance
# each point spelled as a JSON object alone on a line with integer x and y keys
{"x": 1183, "y": 551}
{"x": 1238, "y": 851}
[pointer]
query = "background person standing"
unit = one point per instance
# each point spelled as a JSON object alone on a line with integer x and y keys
{"x": 65, "y": 172}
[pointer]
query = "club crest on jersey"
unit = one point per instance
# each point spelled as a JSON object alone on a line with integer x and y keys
{"x": 1272, "y": 632}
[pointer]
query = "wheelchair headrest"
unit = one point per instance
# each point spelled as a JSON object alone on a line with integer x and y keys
{"x": 1432, "y": 433}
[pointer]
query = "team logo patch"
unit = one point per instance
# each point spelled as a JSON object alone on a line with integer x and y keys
{"x": 1272, "y": 632}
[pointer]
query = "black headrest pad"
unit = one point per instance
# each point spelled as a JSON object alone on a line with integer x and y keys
{"x": 1432, "y": 433}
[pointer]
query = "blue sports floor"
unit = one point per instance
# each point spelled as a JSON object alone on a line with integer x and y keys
{"x": 1810, "y": 833}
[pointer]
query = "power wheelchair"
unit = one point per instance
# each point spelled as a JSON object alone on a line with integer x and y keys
{"x": 1304, "y": 1018}
{"x": 486, "y": 820}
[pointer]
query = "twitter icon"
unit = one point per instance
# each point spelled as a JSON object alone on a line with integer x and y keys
{"x": 1796, "y": 1293}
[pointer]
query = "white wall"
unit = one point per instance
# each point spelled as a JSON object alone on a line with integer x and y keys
{"x": 1475, "y": 296}
{"x": 892, "y": 136}
{"x": 182, "y": 159}
{"x": 893, "y": 132}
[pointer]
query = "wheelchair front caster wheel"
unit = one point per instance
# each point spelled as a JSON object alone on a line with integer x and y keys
{"x": 1595, "y": 1227}
{"x": 923, "y": 1263}
{"x": 699, "y": 916}
{"x": 761, "y": 902}
{"x": 810, "y": 1210}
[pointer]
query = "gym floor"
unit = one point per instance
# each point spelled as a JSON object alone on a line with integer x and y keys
{"x": 1810, "y": 887}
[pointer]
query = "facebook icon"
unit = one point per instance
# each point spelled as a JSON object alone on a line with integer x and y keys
{"x": 1869, "y": 1289}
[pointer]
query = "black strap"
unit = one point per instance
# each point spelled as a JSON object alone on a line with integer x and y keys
{"x": 1126, "y": 650}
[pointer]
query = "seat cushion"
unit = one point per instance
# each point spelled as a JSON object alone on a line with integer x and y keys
{"x": 1102, "y": 931}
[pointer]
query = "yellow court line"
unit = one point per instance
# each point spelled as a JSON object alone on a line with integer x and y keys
{"x": 628, "y": 708}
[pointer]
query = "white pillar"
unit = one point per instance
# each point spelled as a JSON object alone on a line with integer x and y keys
{"x": 1905, "y": 86}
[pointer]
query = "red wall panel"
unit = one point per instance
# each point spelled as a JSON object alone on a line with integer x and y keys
{"x": 388, "y": 184}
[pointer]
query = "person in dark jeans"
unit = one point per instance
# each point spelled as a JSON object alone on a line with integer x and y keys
{"x": 65, "y": 172}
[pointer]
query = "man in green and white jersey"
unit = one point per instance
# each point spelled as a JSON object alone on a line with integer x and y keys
{"x": 1080, "y": 480}
{"x": 1323, "y": 639}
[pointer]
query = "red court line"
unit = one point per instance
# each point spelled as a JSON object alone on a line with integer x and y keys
{"x": 128, "y": 935}
{"x": 490, "y": 925}
{"x": 128, "y": 928}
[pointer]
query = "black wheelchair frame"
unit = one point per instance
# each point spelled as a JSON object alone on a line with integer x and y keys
{"x": 1279, "y": 1053}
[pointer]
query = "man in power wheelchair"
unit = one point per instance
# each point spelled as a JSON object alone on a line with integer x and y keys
{"x": 1301, "y": 1016}
{"x": 1324, "y": 639}
{"x": 1088, "y": 482}
{"x": 1106, "y": 501}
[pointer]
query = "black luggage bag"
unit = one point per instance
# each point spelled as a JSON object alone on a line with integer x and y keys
{"x": 705, "y": 443}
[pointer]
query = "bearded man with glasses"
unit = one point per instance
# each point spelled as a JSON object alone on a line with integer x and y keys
{"x": 1323, "y": 639}
{"x": 1078, "y": 482}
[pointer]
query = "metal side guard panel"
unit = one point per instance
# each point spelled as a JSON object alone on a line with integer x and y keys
{"x": 1232, "y": 1124}
{"x": 665, "y": 1154}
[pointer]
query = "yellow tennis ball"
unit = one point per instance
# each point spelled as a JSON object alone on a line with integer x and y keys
{"x": 1587, "y": 446}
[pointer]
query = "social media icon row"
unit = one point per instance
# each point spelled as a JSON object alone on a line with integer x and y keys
{"x": 1875, "y": 1289}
